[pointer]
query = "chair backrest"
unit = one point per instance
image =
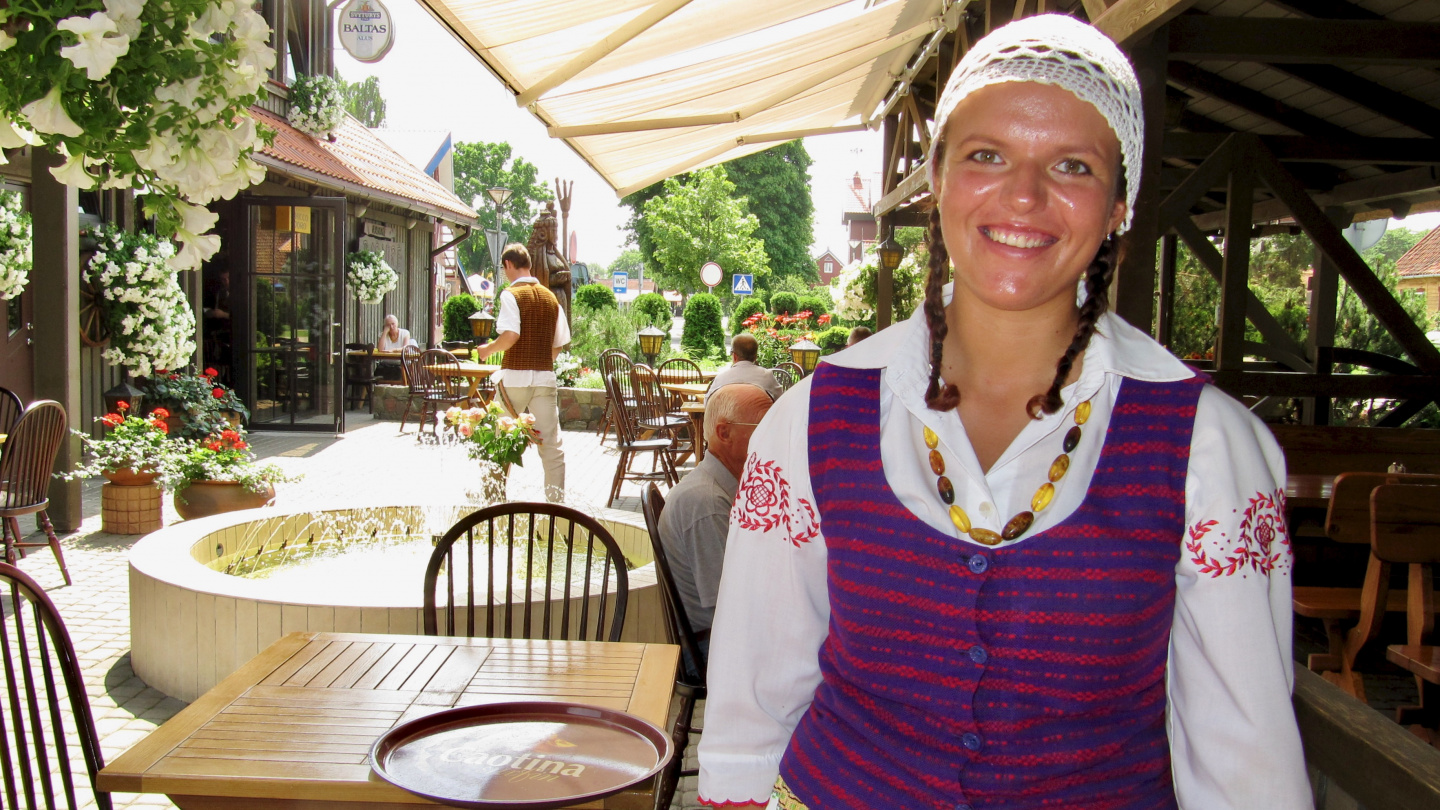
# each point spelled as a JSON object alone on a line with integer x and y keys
{"x": 614, "y": 361}
{"x": 652, "y": 503}
{"x": 784, "y": 377}
{"x": 620, "y": 390}
{"x": 679, "y": 370}
{"x": 651, "y": 403}
{"x": 28, "y": 455}
{"x": 436, "y": 363}
{"x": 38, "y": 730}
{"x": 413, "y": 371}
{"x": 536, "y": 570}
{"x": 10, "y": 409}
{"x": 794, "y": 368}
{"x": 1405, "y": 523}
{"x": 1348, "y": 518}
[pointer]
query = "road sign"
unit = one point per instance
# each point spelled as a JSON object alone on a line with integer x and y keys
{"x": 710, "y": 275}
{"x": 495, "y": 240}
{"x": 619, "y": 281}
{"x": 743, "y": 284}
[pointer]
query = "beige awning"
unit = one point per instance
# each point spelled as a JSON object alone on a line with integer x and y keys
{"x": 645, "y": 89}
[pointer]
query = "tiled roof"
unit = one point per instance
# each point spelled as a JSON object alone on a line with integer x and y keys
{"x": 858, "y": 198}
{"x": 1423, "y": 259}
{"x": 359, "y": 157}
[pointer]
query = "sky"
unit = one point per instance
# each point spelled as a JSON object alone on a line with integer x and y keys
{"x": 430, "y": 82}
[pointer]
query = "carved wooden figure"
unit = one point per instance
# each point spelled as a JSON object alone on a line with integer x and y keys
{"x": 546, "y": 261}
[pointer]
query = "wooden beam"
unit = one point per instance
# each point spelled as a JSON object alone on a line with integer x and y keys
{"x": 1255, "y": 102}
{"x": 1391, "y": 151}
{"x": 885, "y": 279}
{"x": 1338, "y": 386}
{"x": 914, "y": 183}
{"x": 1327, "y": 9}
{"x": 1134, "y": 285}
{"x": 1235, "y": 280}
{"x": 1210, "y": 174}
{"x": 1351, "y": 194}
{"x": 1373, "y": 96}
{"x": 1126, "y": 21}
{"x": 1254, "y": 39}
{"x": 1094, "y": 9}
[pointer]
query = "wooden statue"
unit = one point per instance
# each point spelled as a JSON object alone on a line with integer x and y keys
{"x": 547, "y": 263}
{"x": 563, "y": 191}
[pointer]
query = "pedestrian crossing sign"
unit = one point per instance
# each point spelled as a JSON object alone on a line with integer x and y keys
{"x": 743, "y": 284}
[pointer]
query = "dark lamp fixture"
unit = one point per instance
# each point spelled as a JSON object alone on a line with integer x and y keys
{"x": 805, "y": 354}
{"x": 890, "y": 254}
{"x": 482, "y": 324}
{"x": 651, "y": 340}
{"x": 124, "y": 392}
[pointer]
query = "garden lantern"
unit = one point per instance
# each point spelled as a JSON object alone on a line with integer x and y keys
{"x": 651, "y": 339}
{"x": 805, "y": 354}
{"x": 890, "y": 253}
{"x": 124, "y": 392}
{"x": 482, "y": 325}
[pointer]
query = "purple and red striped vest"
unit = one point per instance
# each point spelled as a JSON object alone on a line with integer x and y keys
{"x": 956, "y": 676}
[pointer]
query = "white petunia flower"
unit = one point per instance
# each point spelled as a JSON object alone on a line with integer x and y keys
{"x": 72, "y": 173}
{"x": 48, "y": 115}
{"x": 96, "y": 53}
{"x": 6, "y": 41}
{"x": 124, "y": 9}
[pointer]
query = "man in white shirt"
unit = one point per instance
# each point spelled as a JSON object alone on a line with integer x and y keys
{"x": 533, "y": 331}
{"x": 743, "y": 368}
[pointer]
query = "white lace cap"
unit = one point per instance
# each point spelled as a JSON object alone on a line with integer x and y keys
{"x": 1059, "y": 50}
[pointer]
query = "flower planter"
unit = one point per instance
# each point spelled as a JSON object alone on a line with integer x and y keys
{"x": 127, "y": 477}
{"x": 130, "y": 509}
{"x": 204, "y": 498}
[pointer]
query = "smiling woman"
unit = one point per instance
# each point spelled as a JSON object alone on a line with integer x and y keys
{"x": 981, "y": 579}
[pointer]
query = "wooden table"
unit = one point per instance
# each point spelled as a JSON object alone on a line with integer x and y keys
{"x": 292, "y": 729}
{"x": 474, "y": 372}
{"x": 687, "y": 390}
{"x": 1308, "y": 491}
{"x": 696, "y": 412}
{"x": 677, "y": 376}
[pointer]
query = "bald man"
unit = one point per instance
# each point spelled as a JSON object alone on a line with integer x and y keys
{"x": 743, "y": 368}
{"x": 697, "y": 511}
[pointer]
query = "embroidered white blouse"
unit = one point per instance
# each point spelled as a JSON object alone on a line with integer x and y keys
{"x": 1233, "y": 738}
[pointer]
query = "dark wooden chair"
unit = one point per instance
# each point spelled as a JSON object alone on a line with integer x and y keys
{"x": 612, "y": 361}
{"x": 527, "y": 570}
{"x": 47, "y": 712}
{"x": 10, "y": 409}
{"x": 689, "y": 686}
{"x": 654, "y": 415}
{"x": 785, "y": 377}
{"x": 360, "y": 375}
{"x": 26, "y": 464}
{"x": 794, "y": 368}
{"x": 619, "y": 389}
{"x": 415, "y": 381}
{"x": 681, "y": 370}
{"x": 442, "y": 384}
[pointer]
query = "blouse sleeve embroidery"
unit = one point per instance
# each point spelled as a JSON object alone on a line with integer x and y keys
{"x": 764, "y": 502}
{"x": 1262, "y": 545}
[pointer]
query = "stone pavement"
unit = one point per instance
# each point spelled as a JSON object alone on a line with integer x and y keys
{"x": 371, "y": 463}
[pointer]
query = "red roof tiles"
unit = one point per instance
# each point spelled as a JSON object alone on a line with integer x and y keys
{"x": 1423, "y": 259}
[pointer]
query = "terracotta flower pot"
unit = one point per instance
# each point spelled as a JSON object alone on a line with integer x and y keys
{"x": 204, "y": 498}
{"x": 126, "y": 477}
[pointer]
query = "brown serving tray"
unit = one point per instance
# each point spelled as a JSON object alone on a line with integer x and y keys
{"x": 529, "y": 755}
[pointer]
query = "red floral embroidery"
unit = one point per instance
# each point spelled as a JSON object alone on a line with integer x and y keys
{"x": 1263, "y": 545}
{"x": 763, "y": 503}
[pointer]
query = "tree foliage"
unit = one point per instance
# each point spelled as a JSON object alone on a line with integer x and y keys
{"x": 703, "y": 336}
{"x": 654, "y": 309}
{"x": 364, "y": 100}
{"x": 784, "y": 303}
{"x": 595, "y": 296}
{"x": 776, "y": 186}
{"x": 481, "y": 166}
{"x": 701, "y": 221}
{"x": 743, "y": 310}
{"x": 457, "y": 312}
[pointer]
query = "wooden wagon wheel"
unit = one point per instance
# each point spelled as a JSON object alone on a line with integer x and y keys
{"x": 93, "y": 330}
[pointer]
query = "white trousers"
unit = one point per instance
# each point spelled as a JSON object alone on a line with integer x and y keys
{"x": 542, "y": 401}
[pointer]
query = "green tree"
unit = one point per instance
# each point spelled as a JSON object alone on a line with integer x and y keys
{"x": 784, "y": 303}
{"x": 595, "y": 296}
{"x": 628, "y": 261}
{"x": 703, "y": 336}
{"x": 364, "y": 100}
{"x": 702, "y": 221}
{"x": 743, "y": 310}
{"x": 653, "y": 309}
{"x": 457, "y": 312}
{"x": 776, "y": 186}
{"x": 481, "y": 166}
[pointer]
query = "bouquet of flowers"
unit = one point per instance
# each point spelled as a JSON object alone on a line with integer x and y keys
{"x": 202, "y": 405}
{"x": 492, "y": 434}
{"x": 15, "y": 239}
{"x": 134, "y": 442}
{"x": 152, "y": 324}
{"x": 316, "y": 105}
{"x": 567, "y": 370}
{"x": 369, "y": 276}
{"x": 225, "y": 456}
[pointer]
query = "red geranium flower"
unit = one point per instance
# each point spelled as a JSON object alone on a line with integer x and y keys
{"x": 160, "y": 413}
{"x": 112, "y": 419}
{"x": 210, "y": 372}
{"x": 218, "y": 393}
{"x": 241, "y": 445}
{"x": 122, "y": 405}
{"x": 160, "y": 426}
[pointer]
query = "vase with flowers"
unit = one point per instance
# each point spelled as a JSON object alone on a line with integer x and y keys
{"x": 493, "y": 437}
{"x": 134, "y": 450}
{"x": 199, "y": 404}
{"x": 220, "y": 474}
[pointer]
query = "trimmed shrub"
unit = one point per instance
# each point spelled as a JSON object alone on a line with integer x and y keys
{"x": 749, "y": 306}
{"x": 784, "y": 303}
{"x": 833, "y": 339}
{"x": 817, "y": 304}
{"x": 595, "y": 296}
{"x": 703, "y": 336}
{"x": 655, "y": 309}
{"x": 458, "y": 309}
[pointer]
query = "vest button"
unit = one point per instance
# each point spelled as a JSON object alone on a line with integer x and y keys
{"x": 978, "y": 654}
{"x": 978, "y": 563}
{"x": 971, "y": 741}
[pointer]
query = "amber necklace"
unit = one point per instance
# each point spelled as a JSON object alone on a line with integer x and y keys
{"x": 1021, "y": 523}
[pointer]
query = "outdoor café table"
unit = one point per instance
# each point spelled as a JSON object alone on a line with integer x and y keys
{"x": 687, "y": 390}
{"x": 1308, "y": 491}
{"x": 696, "y": 412}
{"x": 474, "y": 372}
{"x": 293, "y": 728}
{"x": 677, "y": 375}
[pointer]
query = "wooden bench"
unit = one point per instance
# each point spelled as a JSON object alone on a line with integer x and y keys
{"x": 1405, "y": 529}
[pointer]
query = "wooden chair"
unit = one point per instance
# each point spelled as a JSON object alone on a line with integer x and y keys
{"x": 44, "y": 717}
{"x": 360, "y": 375}
{"x": 414, "y": 377}
{"x": 442, "y": 386}
{"x": 654, "y": 416}
{"x": 10, "y": 409}
{"x": 680, "y": 370}
{"x": 785, "y": 377}
{"x": 26, "y": 464}
{"x": 507, "y": 556}
{"x": 1405, "y": 529}
{"x": 689, "y": 686}
{"x": 612, "y": 361}
{"x": 795, "y": 369}
{"x": 619, "y": 389}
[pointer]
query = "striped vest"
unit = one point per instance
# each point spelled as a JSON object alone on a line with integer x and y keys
{"x": 538, "y": 308}
{"x": 956, "y": 676}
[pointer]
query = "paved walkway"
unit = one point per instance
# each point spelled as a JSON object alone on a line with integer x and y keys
{"x": 370, "y": 463}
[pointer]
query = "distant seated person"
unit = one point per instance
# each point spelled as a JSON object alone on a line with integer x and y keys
{"x": 392, "y": 339}
{"x": 697, "y": 511}
{"x": 743, "y": 368}
{"x": 858, "y": 334}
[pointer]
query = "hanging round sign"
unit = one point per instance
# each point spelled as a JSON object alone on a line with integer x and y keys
{"x": 366, "y": 30}
{"x": 710, "y": 274}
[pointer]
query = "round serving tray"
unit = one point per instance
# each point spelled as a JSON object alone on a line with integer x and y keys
{"x": 520, "y": 755}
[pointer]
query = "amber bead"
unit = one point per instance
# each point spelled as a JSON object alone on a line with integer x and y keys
{"x": 931, "y": 440}
{"x": 1072, "y": 439}
{"x": 1082, "y": 412}
{"x": 960, "y": 519}
{"x": 986, "y": 537}
{"x": 937, "y": 462}
{"x": 1059, "y": 467}
{"x": 1043, "y": 496}
{"x": 1018, "y": 525}
{"x": 947, "y": 489}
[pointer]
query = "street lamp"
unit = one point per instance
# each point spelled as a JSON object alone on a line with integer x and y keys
{"x": 496, "y": 238}
{"x": 651, "y": 339}
{"x": 805, "y": 354}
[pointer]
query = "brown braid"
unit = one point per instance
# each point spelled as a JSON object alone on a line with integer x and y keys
{"x": 939, "y": 396}
{"x": 1097, "y": 300}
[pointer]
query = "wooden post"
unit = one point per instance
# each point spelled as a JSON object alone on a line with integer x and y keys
{"x": 1165, "y": 320}
{"x": 884, "y": 279}
{"x": 56, "y": 282}
{"x": 1324, "y": 294}
{"x": 1134, "y": 294}
{"x": 1235, "y": 280}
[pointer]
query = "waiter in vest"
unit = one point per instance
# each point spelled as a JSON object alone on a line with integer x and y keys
{"x": 533, "y": 330}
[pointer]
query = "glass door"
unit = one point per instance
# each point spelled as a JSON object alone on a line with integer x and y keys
{"x": 293, "y": 361}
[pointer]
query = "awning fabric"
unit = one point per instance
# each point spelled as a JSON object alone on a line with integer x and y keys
{"x": 645, "y": 89}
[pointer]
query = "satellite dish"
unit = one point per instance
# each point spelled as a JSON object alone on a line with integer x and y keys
{"x": 1363, "y": 235}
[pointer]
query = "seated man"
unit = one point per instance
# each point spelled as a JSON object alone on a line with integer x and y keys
{"x": 858, "y": 334}
{"x": 392, "y": 339}
{"x": 697, "y": 511}
{"x": 743, "y": 369}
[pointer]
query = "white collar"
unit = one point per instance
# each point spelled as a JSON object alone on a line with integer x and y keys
{"x": 525, "y": 280}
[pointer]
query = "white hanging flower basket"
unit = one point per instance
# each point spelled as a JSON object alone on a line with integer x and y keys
{"x": 152, "y": 325}
{"x": 316, "y": 105}
{"x": 16, "y": 236}
{"x": 369, "y": 277}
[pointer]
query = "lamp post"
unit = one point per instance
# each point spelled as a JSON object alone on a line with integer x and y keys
{"x": 805, "y": 354}
{"x": 499, "y": 195}
{"x": 650, "y": 343}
